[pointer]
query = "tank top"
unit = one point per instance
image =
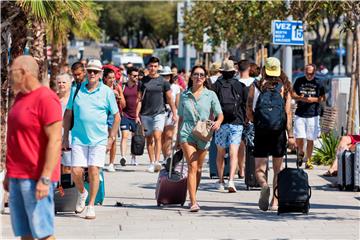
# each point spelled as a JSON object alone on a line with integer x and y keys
{"x": 130, "y": 95}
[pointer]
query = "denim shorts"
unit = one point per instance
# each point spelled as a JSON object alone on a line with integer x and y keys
{"x": 30, "y": 217}
{"x": 127, "y": 124}
{"x": 228, "y": 134}
{"x": 153, "y": 123}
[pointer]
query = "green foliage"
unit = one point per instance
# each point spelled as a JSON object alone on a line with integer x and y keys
{"x": 326, "y": 154}
{"x": 152, "y": 20}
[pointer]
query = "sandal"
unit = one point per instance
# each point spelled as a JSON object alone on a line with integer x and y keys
{"x": 195, "y": 207}
{"x": 300, "y": 158}
{"x": 330, "y": 174}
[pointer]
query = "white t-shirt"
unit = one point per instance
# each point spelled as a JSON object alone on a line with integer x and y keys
{"x": 247, "y": 81}
{"x": 175, "y": 90}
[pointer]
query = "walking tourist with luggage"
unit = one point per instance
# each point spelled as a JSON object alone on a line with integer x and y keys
{"x": 154, "y": 93}
{"x": 195, "y": 106}
{"x": 90, "y": 138}
{"x": 170, "y": 125}
{"x": 128, "y": 124}
{"x": 110, "y": 81}
{"x": 308, "y": 93}
{"x": 33, "y": 152}
{"x": 232, "y": 97}
{"x": 273, "y": 124}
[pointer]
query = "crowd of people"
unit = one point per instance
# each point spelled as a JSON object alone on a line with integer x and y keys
{"x": 96, "y": 104}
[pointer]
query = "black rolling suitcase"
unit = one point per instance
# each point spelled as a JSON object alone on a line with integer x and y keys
{"x": 212, "y": 160}
{"x": 293, "y": 191}
{"x": 65, "y": 195}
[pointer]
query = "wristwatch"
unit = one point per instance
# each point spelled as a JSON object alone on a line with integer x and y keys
{"x": 112, "y": 137}
{"x": 45, "y": 180}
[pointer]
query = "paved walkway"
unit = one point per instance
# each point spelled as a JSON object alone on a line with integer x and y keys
{"x": 333, "y": 214}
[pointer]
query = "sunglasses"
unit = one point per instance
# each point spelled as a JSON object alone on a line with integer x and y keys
{"x": 93, "y": 71}
{"x": 199, "y": 75}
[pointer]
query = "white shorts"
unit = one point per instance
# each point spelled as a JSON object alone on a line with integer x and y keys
{"x": 307, "y": 128}
{"x": 84, "y": 156}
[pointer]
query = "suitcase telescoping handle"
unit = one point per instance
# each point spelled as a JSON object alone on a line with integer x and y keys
{"x": 171, "y": 162}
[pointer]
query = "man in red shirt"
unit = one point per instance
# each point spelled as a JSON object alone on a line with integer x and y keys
{"x": 33, "y": 152}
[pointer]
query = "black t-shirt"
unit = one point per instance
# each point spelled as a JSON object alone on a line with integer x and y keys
{"x": 153, "y": 102}
{"x": 311, "y": 88}
{"x": 240, "y": 89}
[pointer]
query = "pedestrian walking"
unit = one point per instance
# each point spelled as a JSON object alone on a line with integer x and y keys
{"x": 232, "y": 97}
{"x": 170, "y": 125}
{"x": 110, "y": 81}
{"x": 90, "y": 138}
{"x": 196, "y": 104}
{"x": 154, "y": 93}
{"x": 128, "y": 124}
{"x": 273, "y": 129}
{"x": 308, "y": 93}
{"x": 33, "y": 152}
{"x": 247, "y": 80}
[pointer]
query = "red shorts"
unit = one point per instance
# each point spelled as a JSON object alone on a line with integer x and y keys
{"x": 354, "y": 139}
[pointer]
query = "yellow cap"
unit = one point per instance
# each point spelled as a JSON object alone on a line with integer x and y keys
{"x": 272, "y": 67}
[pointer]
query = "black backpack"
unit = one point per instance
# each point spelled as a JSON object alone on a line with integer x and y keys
{"x": 138, "y": 141}
{"x": 229, "y": 98}
{"x": 270, "y": 109}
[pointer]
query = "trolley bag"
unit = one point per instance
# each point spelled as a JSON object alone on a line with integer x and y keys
{"x": 138, "y": 141}
{"x": 100, "y": 196}
{"x": 65, "y": 195}
{"x": 357, "y": 168}
{"x": 293, "y": 191}
{"x": 212, "y": 160}
{"x": 171, "y": 186}
{"x": 346, "y": 170}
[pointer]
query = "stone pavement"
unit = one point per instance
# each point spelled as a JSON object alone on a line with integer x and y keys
{"x": 333, "y": 214}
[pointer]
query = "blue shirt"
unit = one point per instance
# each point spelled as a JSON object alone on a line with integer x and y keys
{"x": 91, "y": 111}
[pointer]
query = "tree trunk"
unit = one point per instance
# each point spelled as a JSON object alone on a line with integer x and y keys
{"x": 38, "y": 48}
{"x": 64, "y": 54}
{"x": 55, "y": 64}
{"x": 352, "y": 97}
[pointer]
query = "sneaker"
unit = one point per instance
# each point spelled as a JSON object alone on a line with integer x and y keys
{"x": 264, "y": 198}
{"x": 151, "y": 168}
{"x": 220, "y": 186}
{"x": 157, "y": 166}
{"x": 80, "y": 203}
{"x": 308, "y": 165}
{"x": 123, "y": 162}
{"x": 90, "y": 212}
{"x": 231, "y": 187}
{"x": 300, "y": 159}
{"x": 111, "y": 168}
{"x": 133, "y": 161}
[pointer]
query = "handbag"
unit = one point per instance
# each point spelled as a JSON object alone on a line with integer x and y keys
{"x": 202, "y": 129}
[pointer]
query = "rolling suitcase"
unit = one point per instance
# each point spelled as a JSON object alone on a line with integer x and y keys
{"x": 171, "y": 186}
{"x": 138, "y": 141}
{"x": 65, "y": 195}
{"x": 293, "y": 191}
{"x": 212, "y": 160}
{"x": 100, "y": 196}
{"x": 349, "y": 170}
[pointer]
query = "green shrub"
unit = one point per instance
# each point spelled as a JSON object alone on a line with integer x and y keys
{"x": 326, "y": 154}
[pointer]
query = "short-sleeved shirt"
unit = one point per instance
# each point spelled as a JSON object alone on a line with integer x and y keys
{"x": 153, "y": 102}
{"x": 90, "y": 114}
{"x": 311, "y": 88}
{"x": 206, "y": 104}
{"x": 26, "y": 138}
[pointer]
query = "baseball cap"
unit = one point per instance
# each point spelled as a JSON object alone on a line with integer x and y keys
{"x": 227, "y": 66}
{"x": 94, "y": 64}
{"x": 272, "y": 67}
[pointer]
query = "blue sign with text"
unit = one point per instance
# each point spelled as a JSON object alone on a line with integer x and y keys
{"x": 287, "y": 32}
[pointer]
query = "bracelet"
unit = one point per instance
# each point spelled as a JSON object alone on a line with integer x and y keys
{"x": 291, "y": 137}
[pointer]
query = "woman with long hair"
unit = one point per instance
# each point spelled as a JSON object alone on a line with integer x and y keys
{"x": 270, "y": 142}
{"x": 196, "y": 103}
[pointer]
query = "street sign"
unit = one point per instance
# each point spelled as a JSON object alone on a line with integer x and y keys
{"x": 287, "y": 32}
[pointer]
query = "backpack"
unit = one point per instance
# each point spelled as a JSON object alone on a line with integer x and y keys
{"x": 270, "y": 110}
{"x": 229, "y": 99}
{"x": 138, "y": 141}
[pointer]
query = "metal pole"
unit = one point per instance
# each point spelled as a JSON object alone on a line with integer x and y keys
{"x": 340, "y": 47}
{"x": 287, "y": 53}
{"x": 187, "y": 47}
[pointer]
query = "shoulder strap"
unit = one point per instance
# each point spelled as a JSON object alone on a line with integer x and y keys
{"x": 76, "y": 92}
